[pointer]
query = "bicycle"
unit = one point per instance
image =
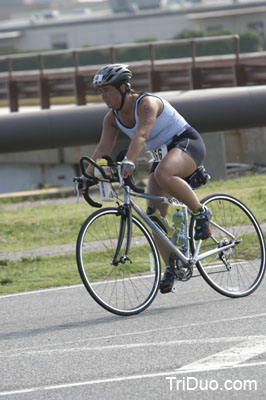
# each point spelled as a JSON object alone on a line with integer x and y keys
{"x": 118, "y": 260}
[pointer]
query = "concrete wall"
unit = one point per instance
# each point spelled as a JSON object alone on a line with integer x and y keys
{"x": 246, "y": 146}
{"x": 44, "y": 168}
{"x": 37, "y": 169}
{"x": 57, "y": 167}
{"x": 215, "y": 161}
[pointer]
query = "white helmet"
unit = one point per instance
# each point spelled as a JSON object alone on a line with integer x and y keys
{"x": 112, "y": 74}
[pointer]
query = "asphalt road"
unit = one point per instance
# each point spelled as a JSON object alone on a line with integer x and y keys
{"x": 59, "y": 344}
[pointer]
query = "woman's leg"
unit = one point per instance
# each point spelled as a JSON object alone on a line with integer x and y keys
{"x": 169, "y": 173}
{"x": 167, "y": 180}
{"x": 155, "y": 188}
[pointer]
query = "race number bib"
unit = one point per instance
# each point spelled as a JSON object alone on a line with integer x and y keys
{"x": 159, "y": 154}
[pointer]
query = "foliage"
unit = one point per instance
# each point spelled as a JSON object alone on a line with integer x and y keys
{"x": 250, "y": 41}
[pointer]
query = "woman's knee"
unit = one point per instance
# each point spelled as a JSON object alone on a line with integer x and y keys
{"x": 161, "y": 175}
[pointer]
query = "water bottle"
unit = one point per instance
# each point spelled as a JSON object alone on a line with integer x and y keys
{"x": 178, "y": 233}
{"x": 106, "y": 192}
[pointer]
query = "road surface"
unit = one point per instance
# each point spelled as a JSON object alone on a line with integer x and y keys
{"x": 194, "y": 344}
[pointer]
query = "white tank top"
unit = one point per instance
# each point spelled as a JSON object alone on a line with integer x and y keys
{"x": 168, "y": 124}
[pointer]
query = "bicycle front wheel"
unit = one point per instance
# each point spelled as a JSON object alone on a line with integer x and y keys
{"x": 123, "y": 288}
{"x": 239, "y": 270}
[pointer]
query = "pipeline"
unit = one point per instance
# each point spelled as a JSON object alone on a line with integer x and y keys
{"x": 208, "y": 110}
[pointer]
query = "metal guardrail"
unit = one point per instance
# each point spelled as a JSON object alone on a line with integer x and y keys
{"x": 153, "y": 75}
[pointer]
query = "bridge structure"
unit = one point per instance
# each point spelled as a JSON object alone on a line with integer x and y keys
{"x": 152, "y": 74}
{"x": 50, "y": 141}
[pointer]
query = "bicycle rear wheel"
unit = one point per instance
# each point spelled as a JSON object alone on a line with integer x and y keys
{"x": 127, "y": 288}
{"x": 238, "y": 271}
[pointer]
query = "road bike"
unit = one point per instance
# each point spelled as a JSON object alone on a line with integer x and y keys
{"x": 118, "y": 259}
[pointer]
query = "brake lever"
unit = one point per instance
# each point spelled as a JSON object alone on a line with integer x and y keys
{"x": 119, "y": 171}
{"x": 77, "y": 191}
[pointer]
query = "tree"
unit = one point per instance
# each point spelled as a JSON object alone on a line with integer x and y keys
{"x": 250, "y": 41}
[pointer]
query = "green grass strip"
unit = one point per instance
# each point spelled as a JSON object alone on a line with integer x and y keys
{"x": 36, "y": 273}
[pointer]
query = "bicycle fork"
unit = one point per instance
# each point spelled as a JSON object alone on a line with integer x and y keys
{"x": 125, "y": 214}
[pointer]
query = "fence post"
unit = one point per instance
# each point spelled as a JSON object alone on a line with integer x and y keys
{"x": 195, "y": 71}
{"x": 112, "y": 55}
{"x": 79, "y": 84}
{"x": 80, "y": 92}
{"x": 12, "y": 95}
{"x": 240, "y": 72}
{"x": 43, "y": 86}
{"x": 155, "y": 79}
{"x": 12, "y": 89}
{"x": 196, "y": 78}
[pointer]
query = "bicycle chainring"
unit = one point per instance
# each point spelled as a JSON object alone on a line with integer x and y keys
{"x": 181, "y": 272}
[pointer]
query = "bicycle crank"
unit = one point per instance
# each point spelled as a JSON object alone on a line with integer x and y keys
{"x": 181, "y": 272}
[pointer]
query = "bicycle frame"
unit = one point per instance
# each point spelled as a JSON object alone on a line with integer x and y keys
{"x": 185, "y": 258}
{"x": 126, "y": 211}
{"x": 130, "y": 264}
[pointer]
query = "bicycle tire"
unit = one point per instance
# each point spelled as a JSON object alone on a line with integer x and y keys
{"x": 126, "y": 289}
{"x": 243, "y": 266}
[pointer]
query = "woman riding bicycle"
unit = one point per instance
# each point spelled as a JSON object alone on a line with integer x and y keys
{"x": 178, "y": 149}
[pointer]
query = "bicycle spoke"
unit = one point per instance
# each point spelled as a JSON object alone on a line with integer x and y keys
{"x": 239, "y": 270}
{"x": 124, "y": 286}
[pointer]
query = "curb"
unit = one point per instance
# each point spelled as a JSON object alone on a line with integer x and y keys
{"x": 39, "y": 194}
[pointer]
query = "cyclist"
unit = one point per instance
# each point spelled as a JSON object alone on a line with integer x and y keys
{"x": 178, "y": 149}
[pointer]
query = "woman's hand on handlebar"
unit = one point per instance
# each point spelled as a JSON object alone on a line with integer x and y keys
{"x": 83, "y": 189}
{"x": 128, "y": 167}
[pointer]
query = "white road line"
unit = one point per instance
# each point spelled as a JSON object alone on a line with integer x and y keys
{"x": 40, "y": 291}
{"x": 54, "y": 289}
{"x": 111, "y": 380}
{"x": 128, "y": 346}
{"x": 139, "y": 333}
{"x": 230, "y": 357}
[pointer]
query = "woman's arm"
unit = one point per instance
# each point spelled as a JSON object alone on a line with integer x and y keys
{"x": 148, "y": 110}
{"x": 107, "y": 141}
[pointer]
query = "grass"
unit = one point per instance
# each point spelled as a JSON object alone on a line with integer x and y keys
{"x": 35, "y": 273}
{"x": 37, "y": 227}
{"x": 49, "y": 224}
{"x": 97, "y": 264}
{"x": 251, "y": 190}
{"x": 41, "y": 225}
{"x": 248, "y": 249}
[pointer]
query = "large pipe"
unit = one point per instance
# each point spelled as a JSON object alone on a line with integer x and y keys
{"x": 208, "y": 110}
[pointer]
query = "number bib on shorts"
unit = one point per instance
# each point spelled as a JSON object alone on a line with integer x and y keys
{"x": 159, "y": 153}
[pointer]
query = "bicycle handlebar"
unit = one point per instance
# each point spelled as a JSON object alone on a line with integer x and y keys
{"x": 91, "y": 161}
{"x": 92, "y": 180}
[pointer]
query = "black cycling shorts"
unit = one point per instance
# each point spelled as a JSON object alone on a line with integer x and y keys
{"x": 191, "y": 143}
